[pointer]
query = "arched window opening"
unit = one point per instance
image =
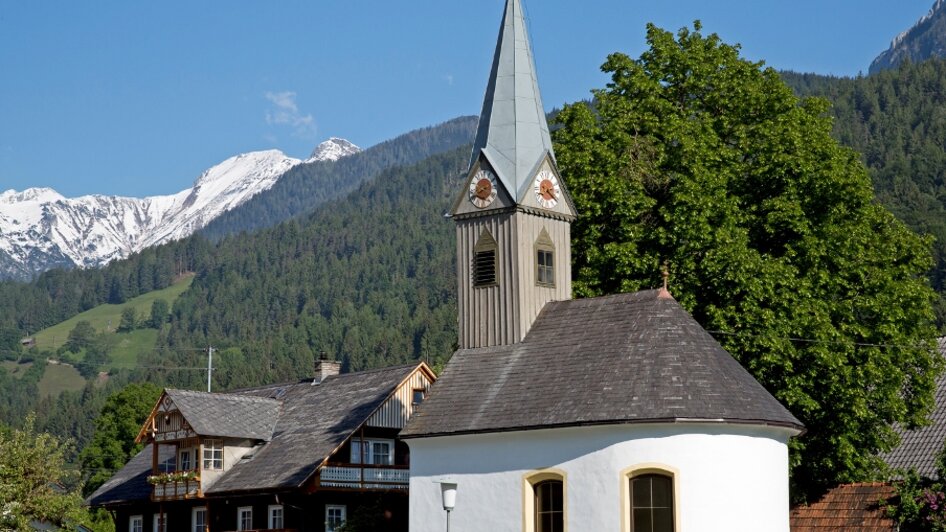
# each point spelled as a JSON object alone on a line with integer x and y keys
{"x": 651, "y": 503}
{"x": 544, "y": 260}
{"x": 549, "y": 506}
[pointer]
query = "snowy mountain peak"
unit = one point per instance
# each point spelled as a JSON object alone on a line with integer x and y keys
{"x": 333, "y": 149}
{"x": 41, "y": 229}
{"x": 39, "y": 195}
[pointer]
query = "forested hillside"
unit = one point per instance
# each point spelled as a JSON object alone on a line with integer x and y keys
{"x": 369, "y": 279}
{"x": 897, "y": 120}
{"x": 307, "y": 186}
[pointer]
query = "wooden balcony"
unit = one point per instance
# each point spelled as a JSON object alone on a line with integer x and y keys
{"x": 176, "y": 490}
{"x": 364, "y": 477}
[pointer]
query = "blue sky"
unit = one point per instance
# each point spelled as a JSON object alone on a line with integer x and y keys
{"x": 138, "y": 98}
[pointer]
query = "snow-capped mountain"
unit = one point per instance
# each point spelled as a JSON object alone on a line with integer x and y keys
{"x": 333, "y": 149}
{"x": 40, "y": 229}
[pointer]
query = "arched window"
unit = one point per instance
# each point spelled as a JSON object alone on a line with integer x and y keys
{"x": 549, "y": 506}
{"x": 651, "y": 503}
{"x": 544, "y": 260}
{"x": 545, "y": 501}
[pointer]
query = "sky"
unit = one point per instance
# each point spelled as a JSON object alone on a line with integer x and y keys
{"x": 139, "y": 98}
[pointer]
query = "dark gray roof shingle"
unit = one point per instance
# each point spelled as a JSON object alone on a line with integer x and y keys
{"x": 130, "y": 484}
{"x": 226, "y": 414}
{"x": 310, "y": 424}
{"x": 615, "y": 359}
{"x": 315, "y": 420}
{"x": 918, "y": 448}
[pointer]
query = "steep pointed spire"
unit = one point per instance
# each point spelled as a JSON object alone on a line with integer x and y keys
{"x": 513, "y": 133}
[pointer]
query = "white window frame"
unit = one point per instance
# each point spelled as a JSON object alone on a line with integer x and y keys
{"x": 329, "y": 526}
{"x": 138, "y": 520}
{"x": 272, "y": 519}
{"x": 198, "y": 510}
{"x": 212, "y": 447}
{"x": 367, "y": 456}
{"x": 244, "y": 512}
{"x": 156, "y": 523}
{"x": 189, "y": 453}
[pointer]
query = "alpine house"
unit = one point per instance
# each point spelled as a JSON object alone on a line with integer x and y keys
{"x": 617, "y": 413}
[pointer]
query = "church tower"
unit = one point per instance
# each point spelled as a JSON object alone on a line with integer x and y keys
{"x": 513, "y": 213}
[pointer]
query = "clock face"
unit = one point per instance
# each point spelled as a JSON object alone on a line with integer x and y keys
{"x": 547, "y": 189}
{"x": 483, "y": 188}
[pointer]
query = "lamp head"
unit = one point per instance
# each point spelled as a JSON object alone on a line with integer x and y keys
{"x": 448, "y": 490}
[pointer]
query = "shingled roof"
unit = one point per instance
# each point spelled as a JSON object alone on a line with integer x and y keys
{"x": 918, "y": 448}
{"x": 315, "y": 421}
{"x": 629, "y": 358}
{"x": 130, "y": 484}
{"x": 312, "y": 421}
{"x": 226, "y": 414}
{"x": 847, "y": 507}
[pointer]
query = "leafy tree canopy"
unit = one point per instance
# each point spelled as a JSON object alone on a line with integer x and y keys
{"x": 698, "y": 157}
{"x": 33, "y": 482}
{"x": 116, "y": 427}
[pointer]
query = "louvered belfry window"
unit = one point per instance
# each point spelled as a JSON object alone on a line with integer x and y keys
{"x": 484, "y": 261}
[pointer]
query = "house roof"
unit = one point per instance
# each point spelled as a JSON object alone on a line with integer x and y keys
{"x": 918, "y": 448}
{"x": 847, "y": 507}
{"x": 228, "y": 415}
{"x": 315, "y": 421}
{"x": 130, "y": 484}
{"x": 628, "y": 358}
{"x": 311, "y": 423}
{"x": 513, "y": 132}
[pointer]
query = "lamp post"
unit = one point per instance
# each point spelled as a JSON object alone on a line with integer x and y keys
{"x": 448, "y": 491}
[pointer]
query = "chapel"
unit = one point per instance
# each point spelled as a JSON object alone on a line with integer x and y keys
{"x": 617, "y": 413}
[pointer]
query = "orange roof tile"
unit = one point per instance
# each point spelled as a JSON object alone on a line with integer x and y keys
{"x": 849, "y": 507}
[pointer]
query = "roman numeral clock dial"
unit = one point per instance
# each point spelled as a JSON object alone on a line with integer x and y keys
{"x": 547, "y": 190}
{"x": 483, "y": 189}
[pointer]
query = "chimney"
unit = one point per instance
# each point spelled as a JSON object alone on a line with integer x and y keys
{"x": 325, "y": 368}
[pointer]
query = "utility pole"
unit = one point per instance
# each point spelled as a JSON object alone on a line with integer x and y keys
{"x": 210, "y": 365}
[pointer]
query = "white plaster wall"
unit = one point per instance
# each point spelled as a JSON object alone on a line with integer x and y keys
{"x": 233, "y": 451}
{"x": 730, "y": 477}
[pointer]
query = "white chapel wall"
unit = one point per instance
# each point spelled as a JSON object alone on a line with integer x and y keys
{"x": 731, "y": 478}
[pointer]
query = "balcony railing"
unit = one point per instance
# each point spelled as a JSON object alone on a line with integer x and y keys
{"x": 365, "y": 477}
{"x": 175, "y": 490}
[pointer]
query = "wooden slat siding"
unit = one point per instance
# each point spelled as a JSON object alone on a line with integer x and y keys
{"x": 395, "y": 412}
{"x": 503, "y": 314}
{"x": 532, "y": 296}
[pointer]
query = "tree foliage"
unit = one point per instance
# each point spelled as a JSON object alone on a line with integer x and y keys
{"x": 116, "y": 427}
{"x": 698, "y": 157}
{"x": 82, "y": 336}
{"x": 34, "y": 484}
{"x": 159, "y": 313}
{"x": 129, "y": 320}
{"x": 896, "y": 120}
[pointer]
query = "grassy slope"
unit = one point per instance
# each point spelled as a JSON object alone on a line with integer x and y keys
{"x": 105, "y": 318}
{"x": 58, "y": 378}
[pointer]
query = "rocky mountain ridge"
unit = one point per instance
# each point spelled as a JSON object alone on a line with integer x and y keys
{"x": 926, "y": 39}
{"x": 40, "y": 229}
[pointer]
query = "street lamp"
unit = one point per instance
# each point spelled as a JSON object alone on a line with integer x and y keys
{"x": 448, "y": 491}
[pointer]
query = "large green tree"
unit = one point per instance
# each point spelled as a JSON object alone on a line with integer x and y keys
{"x": 34, "y": 484}
{"x": 695, "y": 156}
{"x": 116, "y": 427}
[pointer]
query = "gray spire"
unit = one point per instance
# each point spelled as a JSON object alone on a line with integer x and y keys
{"x": 513, "y": 133}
